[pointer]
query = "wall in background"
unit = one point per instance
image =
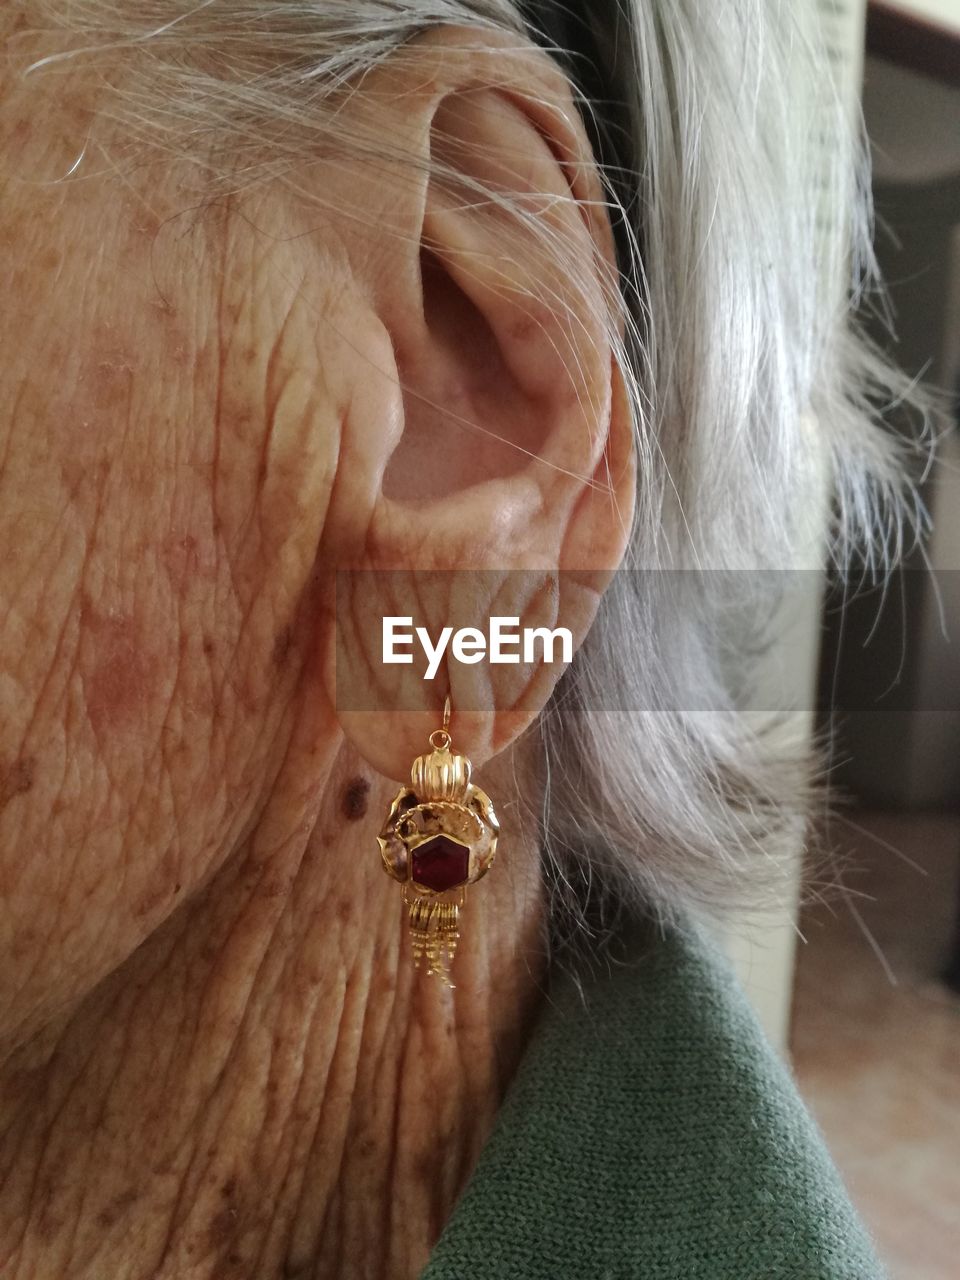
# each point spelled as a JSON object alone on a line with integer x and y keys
{"x": 891, "y": 667}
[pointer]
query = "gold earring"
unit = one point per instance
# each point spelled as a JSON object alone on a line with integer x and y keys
{"x": 440, "y": 835}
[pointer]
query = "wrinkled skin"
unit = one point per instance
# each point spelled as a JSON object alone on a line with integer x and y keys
{"x": 216, "y": 1058}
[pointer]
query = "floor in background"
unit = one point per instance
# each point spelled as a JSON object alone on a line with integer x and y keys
{"x": 876, "y": 1038}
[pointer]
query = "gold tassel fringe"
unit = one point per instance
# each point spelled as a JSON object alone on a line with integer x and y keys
{"x": 434, "y": 932}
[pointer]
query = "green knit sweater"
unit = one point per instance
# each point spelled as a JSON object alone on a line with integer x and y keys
{"x": 651, "y": 1133}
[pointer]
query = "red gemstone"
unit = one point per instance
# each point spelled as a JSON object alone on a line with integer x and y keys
{"x": 441, "y": 863}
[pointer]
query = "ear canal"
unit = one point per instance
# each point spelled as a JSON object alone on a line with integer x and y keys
{"x": 466, "y": 418}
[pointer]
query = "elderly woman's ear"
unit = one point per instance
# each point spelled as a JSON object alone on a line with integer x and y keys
{"x": 487, "y": 426}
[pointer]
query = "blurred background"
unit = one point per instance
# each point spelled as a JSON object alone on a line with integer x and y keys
{"x": 859, "y": 982}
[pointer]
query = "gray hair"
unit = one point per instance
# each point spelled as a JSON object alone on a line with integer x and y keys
{"x": 743, "y": 251}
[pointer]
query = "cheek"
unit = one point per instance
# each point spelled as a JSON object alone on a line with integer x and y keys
{"x": 137, "y": 692}
{"x": 166, "y": 461}
{"x": 142, "y": 659}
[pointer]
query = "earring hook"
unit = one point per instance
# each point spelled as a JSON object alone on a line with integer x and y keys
{"x": 440, "y": 738}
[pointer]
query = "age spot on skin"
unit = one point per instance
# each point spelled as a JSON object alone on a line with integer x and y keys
{"x": 117, "y": 680}
{"x": 117, "y": 1207}
{"x": 223, "y": 1224}
{"x": 282, "y": 646}
{"x": 16, "y": 779}
{"x": 354, "y": 803}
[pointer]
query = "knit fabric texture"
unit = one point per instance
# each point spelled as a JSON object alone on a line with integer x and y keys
{"x": 652, "y": 1133}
